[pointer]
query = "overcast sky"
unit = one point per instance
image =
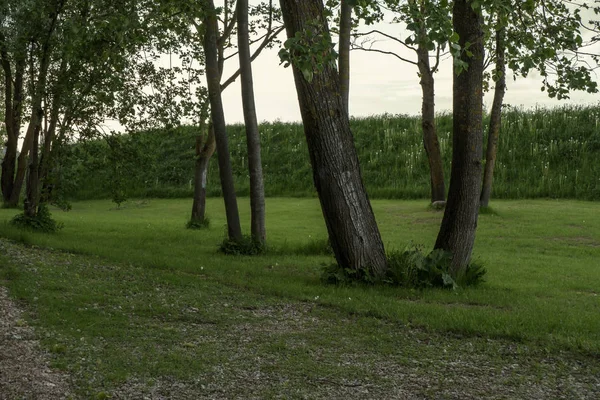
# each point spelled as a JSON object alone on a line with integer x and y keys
{"x": 378, "y": 84}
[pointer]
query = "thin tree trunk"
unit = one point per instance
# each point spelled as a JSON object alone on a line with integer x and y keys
{"x": 457, "y": 232}
{"x": 430, "y": 139}
{"x": 257, "y": 189}
{"x": 350, "y": 221}
{"x": 22, "y": 162}
{"x": 344, "y": 52}
{"x": 204, "y": 151}
{"x": 213, "y": 78}
{"x": 495, "y": 120}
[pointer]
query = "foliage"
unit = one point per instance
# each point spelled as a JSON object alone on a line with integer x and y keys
{"x": 411, "y": 268}
{"x": 41, "y": 222}
{"x": 559, "y": 160}
{"x": 246, "y": 246}
{"x": 198, "y": 223}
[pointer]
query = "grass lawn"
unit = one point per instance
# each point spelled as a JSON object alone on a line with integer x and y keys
{"x": 144, "y": 303}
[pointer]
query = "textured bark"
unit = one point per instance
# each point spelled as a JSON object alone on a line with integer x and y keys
{"x": 204, "y": 151}
{"x": 13, "y": 97}
{"x": 32, "y": 199}
{"x": 213, "y": 77}
{"x": 495, "y": 120}
{"x": 344, "y": 52}
{"x": 45, "y": 160}
{"x": 430, "y": 139}
{"x": 457, "y": 232}
{"x": 257, "y": 189}
{"x": 350, "y": 221}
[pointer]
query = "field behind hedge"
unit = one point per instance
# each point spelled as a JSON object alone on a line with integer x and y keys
{"x": 542, "y": 153}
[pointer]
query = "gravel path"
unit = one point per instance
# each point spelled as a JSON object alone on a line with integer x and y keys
{"x": 24, "y": 370}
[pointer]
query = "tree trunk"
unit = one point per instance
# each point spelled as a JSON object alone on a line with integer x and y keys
{"x": 13, "y": 93}
{"x": 457, "y": 232}
{"x": 22, "y": 162}
{"x": 350, "y": 221}
{"x": 430, "y": 139}
{"x": 213, "y": 78}
{"x": 344, "y": 52}
{"x": 45, "y": 160}
{"x": 495, "y": 120}
{"x": 257, "y": 189}
{"x": 32, "y": 199}
{"x": 204, "y": 151}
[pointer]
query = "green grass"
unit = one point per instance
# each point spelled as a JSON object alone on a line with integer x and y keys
{"x": 541, "y": 153}
{"x": 137, "y": 310}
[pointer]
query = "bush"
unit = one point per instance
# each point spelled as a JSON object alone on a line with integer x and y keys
{"x": 203, "y": 223}
{"x": 41, "y": 222}
{"x": 411, "y": 268}
{"x": 244, "y": 247}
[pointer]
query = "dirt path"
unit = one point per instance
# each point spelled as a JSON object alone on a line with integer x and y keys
{"x": 24, "y": 371}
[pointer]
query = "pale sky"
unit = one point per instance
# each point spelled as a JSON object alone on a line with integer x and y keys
{"x": 378, "y": 84}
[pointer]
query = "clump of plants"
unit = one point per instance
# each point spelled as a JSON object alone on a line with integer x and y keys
{"x": 41, "y": 222}
{"x": 246, "y": 246}
{"x": 412, "y": 268}
{"x": 199, "y": 223}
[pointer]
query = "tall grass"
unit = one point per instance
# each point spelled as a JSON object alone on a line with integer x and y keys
{"x": 542, "y": 153}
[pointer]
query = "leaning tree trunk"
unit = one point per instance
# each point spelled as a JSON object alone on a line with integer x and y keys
{"x": 457, "y": 232}
{"x": 430, "y": 139}
{"x": 257, "y": 189}
{"x": 344, "y": 51}
{"x": 33, "y": 195}
{"x": 350, "y": 221}
{"x": 22, "y": 162}
{"x": 45, "y": 160}
{"x": 495, "y": 120}
{"x": 204, "y": 151}
{"x": 213, "y": 78}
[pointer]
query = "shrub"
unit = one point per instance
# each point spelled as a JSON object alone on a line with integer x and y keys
{"x": 203, "y": 223}
{"x": 41, "y": 222}
{"x": 411, "y": 268}
{"x": 244, "y": 247}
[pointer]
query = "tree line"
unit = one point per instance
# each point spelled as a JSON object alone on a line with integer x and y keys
{"x": 70, "y": 65}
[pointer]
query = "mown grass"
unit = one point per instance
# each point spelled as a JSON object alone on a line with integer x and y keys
{"x": 161, "y": 302}
{"x": 541, "y": 256}
{"x": 541, "y": 153}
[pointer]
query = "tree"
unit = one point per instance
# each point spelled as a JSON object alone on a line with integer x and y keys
{"x": 213, "y": 78}
{"x": 257, "y": 190}
{"x": 457, "y": 231}
{"x": 543, "y": 36}
{"x": 350, "y": 221}
{"x": 428, "y": 22}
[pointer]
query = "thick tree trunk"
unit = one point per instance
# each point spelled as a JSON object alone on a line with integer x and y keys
{"x": 430, "y": 139}
{"x": 45, "y": 160}
{"x": 22, "y": 161}
{"x": 204, "y": 151}
{"x": 257, "y": 189}
{"x": 495, "y": 120}
{"x": 213, "y": 78}
{"x": 457, "y": 232}
{"x": 350, "y": 221}
{"x": 32, "y": 199}
{"x": 13, "y": 97}
{"x": 344, "y": 52}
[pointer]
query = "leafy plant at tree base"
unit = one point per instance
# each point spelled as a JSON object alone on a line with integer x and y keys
{"x": 203, "y": 223}
{"x": 41, "y": 222}
{"x": 244, "y": 247}
{"x": 411, "y": 268}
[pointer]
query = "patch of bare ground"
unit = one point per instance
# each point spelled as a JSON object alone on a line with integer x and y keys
{"x": 24, "y": 370}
